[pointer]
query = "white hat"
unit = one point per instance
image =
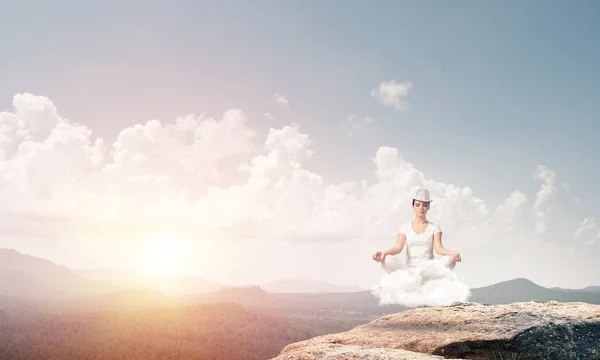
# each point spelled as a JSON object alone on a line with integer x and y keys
{"x": 422, "y": 195}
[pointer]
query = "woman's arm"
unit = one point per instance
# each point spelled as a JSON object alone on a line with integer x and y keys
{"x": 396, "y": 249}
{"x": 439, "y": 248}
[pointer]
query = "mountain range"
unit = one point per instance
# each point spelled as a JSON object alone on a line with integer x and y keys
{"x": 191, "y": 284}
{"x": 32, "y": 282}
{"x": 28, "y": 276}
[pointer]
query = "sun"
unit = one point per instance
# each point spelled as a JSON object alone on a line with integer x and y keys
{"x": 163, "y": 255}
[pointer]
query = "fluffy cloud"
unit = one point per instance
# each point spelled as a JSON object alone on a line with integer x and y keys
{"x": 392, "y": 94}
{"x": 219, "y": 178}
{"x": 51, "y": 166}
{"x": 510, "y": 215}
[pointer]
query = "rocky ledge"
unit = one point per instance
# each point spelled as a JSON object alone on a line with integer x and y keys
{"x": 526, "y": 330}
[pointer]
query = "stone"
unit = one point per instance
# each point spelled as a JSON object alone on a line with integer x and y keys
{"x": 524, "y": 330}
{"x": 353, "y": 352}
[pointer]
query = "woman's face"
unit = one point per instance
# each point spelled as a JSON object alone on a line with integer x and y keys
{"x": 421, "y": 207}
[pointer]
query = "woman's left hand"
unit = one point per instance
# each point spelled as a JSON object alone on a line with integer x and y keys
{"x": 456, "y": 257}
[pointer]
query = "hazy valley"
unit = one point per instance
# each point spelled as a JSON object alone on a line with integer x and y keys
{"x": 50, "y": 312}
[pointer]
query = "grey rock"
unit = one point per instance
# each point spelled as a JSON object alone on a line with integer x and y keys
{"x": 525, "y": 330}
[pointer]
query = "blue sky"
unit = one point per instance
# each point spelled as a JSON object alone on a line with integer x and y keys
{"x": 504, "y": 85}
{"x": 497, "y": 87}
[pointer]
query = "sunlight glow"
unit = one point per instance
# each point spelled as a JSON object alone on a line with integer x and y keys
{"x": 163, "y": 255}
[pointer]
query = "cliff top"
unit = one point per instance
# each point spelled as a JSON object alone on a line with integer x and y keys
{"x": 525, "y": 330}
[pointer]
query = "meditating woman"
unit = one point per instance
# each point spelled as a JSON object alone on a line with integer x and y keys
{"x": 421, "y": 237}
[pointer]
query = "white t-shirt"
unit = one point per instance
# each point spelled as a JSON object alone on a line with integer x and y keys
{"x": 419, "y": 247}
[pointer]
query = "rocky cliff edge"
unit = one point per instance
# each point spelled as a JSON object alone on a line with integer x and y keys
{"x": 525, "y": 330}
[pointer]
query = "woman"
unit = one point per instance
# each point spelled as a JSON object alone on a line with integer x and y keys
{"x": 421, "y": 238}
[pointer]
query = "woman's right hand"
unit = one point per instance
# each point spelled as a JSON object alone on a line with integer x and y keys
{"x": 379, "y": 256}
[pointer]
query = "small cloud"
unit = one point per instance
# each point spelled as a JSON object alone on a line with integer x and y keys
{"x": 589, "y": 229}
{"x": 588, "y": 225}
{"x": 354, "y": 125}
{"x": 392, "y": 94}
{"x": 269, "y": 116}
{"x": 280, "y": 99}
{"x": 544, "y": 196}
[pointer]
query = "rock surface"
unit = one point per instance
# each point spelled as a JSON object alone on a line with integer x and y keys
{"x": 526, "y": 330}
{"x": 354, "y": 352}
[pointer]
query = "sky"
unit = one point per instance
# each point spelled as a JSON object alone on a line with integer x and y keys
{"x": 251, "y": 141}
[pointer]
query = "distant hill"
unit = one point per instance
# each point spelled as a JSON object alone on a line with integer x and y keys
{"x": 233, "y": 291}
{"x": 25, "y": 276}
{"x": 306, "y": 286}
{"x": 521, "y": 289}
{"x": 255, "y": 296}
{"x": 168, "y": 284}
{"x": 593, "y": 289}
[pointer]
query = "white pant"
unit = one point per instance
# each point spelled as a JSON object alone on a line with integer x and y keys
{"x": 393, "y": 263}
